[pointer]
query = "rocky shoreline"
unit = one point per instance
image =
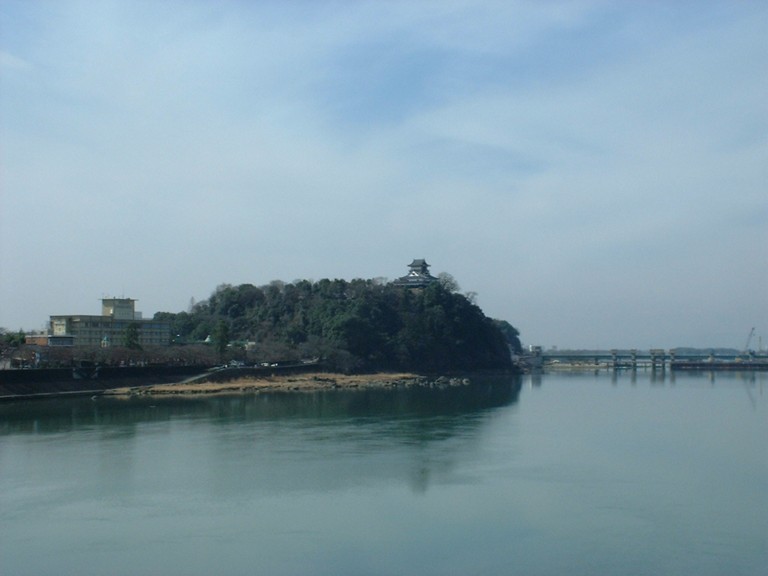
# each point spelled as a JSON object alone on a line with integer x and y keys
{"x": 310, "y": 382}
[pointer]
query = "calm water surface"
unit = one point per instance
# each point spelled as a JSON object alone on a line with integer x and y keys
{"x": 541, "y": 475}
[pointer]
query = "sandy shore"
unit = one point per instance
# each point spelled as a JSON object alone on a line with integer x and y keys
{"x": 293, "y": 382}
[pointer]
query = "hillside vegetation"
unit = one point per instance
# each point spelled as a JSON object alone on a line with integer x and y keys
{"x": 351, "y": 325}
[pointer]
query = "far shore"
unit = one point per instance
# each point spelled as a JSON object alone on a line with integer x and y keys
{"x": 308, "y": 382}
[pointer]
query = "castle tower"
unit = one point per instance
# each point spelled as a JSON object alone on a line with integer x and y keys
{"x": 418, "y": 275}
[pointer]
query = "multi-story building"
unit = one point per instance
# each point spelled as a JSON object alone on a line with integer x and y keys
{"x": 418, "y": 275}
{"x": 110, "y": 329}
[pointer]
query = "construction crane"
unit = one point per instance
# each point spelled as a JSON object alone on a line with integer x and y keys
{"x": 749, "y": 340}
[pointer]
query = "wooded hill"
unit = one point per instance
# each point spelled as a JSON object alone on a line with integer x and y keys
{"x": 350, "y": 325}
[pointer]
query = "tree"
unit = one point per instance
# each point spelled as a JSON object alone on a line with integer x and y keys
{"x": 448, "y": 282}
{"x": 221, "y": 338}
{"x": 353, "y": 325}
{"x": 131, "y": 337}
{"x": 13, "y": 339}
{"x": 511, "y": 334}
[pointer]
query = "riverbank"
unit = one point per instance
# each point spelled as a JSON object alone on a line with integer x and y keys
{"x": 53, "y": 382}
{"x": 308, "y": 382}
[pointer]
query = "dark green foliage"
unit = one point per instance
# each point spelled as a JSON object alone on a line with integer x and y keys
{"x": 351, "y": 325}
{"x": 131, "y": 337}
{"x": 511, "y": 334}
{"x": 12, "y": 339}
{"x": 221, "y": 338}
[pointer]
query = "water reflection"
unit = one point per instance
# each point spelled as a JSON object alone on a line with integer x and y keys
{"x": 656, "y": 377}
{"x": 269, "y": 443}
{"x": 580, "y": 472}
{"x": 120, "y": 415}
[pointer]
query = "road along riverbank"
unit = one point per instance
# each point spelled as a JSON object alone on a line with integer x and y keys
{"x": 85, "y": 380}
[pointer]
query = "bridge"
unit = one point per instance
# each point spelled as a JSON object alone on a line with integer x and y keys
{"x": 655, "y": 359}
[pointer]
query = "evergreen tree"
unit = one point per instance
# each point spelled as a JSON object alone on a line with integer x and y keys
{"x": 131, "y": 337}
{"x": 221, "y": 338}
{"x": 352, "y": 325}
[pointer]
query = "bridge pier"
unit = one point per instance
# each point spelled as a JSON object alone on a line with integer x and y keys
{"x": 657, "y": 358}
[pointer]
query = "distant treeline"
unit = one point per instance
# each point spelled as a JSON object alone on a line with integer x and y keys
{"x": 350, "y": 325}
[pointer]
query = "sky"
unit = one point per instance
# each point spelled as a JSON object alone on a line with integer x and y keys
{"x": 595, "y": 172}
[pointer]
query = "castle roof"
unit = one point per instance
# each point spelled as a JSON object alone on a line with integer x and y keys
{"x": 418, "y": 277}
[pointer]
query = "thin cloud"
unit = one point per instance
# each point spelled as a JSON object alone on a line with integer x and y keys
{"x": 579, "y": 165}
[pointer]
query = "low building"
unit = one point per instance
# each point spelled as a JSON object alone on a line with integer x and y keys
{"x": 418, "y": 275}
{"x": 109, "y": 329}
{"x": 36, "y": 339}
{"x": 48, "y": 340}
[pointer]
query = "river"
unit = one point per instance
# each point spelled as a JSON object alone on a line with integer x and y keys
{"x": 560, "y": 473}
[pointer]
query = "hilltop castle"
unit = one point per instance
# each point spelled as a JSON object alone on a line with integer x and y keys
{"x": 418, "y": 275}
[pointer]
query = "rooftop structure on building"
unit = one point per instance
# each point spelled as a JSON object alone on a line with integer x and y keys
{"x": 120, "y": 308}
{"x": 418, "y": 275}
{"x": 109, "y": 329}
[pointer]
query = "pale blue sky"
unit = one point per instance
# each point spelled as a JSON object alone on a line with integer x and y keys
{"x": 597, "y": 172}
